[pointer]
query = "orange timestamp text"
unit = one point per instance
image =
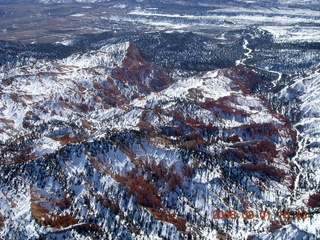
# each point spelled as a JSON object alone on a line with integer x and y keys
{"x": 263, "y": 214}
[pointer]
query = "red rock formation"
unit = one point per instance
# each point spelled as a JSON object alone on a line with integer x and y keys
{"x": 314, "y": 200}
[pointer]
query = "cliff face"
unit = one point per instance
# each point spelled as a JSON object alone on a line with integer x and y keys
{"x": 104, "y": 144}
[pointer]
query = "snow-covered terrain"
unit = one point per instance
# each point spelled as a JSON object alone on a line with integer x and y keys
{"x": 103, "y": 144}
{"x": 179, "y": 120}
{"x": 302, "y": 100}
